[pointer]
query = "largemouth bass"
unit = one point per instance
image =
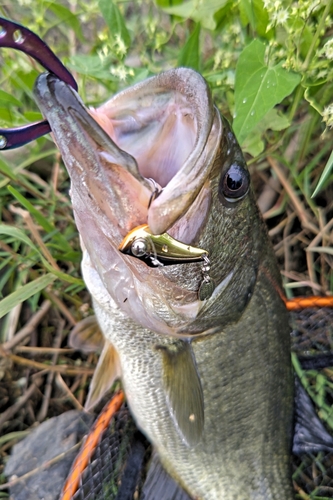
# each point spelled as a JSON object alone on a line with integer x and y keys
{"x": 202, "y": 348}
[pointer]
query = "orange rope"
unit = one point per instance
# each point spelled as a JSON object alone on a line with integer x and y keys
{"x": 90, "y": 444}
{"x": 305, "y": 302}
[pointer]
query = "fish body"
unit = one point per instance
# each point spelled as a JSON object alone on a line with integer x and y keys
{"x": 208, "y": 381}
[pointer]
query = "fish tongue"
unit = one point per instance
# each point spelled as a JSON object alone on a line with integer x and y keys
{"x": 102, "y": 174}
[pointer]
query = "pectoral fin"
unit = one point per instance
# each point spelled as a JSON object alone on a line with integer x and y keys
{"x": 106, "y": 372}
{"x": 183, "y": 390}
{"x": 86, "y": 336}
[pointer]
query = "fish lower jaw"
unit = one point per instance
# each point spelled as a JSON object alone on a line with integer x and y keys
{"x": 134, "y": 299}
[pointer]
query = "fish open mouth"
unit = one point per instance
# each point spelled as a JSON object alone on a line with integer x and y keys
{"x": 160, "y": 134}
{"x": 166, "y": 129}
{"x": 146, "y": 153}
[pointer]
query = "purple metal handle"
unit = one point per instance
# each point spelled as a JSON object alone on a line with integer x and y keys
{"x": 11, "y": 138}
{"x": 18, "y": 37}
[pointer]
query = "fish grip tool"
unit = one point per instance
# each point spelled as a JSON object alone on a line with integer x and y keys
{"x": 102, "y": 476}
{"x": 18, "y": 37}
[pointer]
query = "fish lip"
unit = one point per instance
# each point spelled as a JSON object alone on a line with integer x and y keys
{"x": 50, "y": 90}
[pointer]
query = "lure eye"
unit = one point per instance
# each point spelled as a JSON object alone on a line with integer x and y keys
{"x": 235, "y": 183}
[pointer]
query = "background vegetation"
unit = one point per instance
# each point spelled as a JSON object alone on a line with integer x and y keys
{"x": 269, "y": 65}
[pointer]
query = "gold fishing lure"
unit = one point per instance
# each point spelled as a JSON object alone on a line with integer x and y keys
{"x": 163, "y": 250}
{"x": 159, "y": 249}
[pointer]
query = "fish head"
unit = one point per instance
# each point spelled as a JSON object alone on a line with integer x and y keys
{"x": 163, "y": 132}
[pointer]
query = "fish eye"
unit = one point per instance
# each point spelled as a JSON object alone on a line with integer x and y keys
{"x": 235, "y": 183}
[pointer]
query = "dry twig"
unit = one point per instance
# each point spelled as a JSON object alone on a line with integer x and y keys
{"x": 30, "y": 326}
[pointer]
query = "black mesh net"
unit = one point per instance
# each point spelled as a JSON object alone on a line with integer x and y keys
{"x": 312, "y": 340}
{"x": 312, "y": 330}
{"x": 108, "y": 469}
{"x": 118, "y": 466}
{"x": 313, "y": 475}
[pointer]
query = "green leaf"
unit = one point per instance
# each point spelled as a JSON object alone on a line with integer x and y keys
{"x": 325, "y": 409}
{"x": 6, "y": 169}
{"x": 25, "y": 292}
{"x": 189, "y": 56}
{"x": 63, "y": 276}
{"x": 32, "y": 116}
{"x": 91, "y": 66}
{"x": 6, "y": 274}
{"x": 324, "y": 176}
{"x": 254, "y": 13}
{"x": 114, "y": 21}
{"x": 201, "y": 12}
{"x": 66, "y": 16}
{"x": 6, "y": 115}
{"x": 253, "y": 143}
{"x": 46, "y": 225}
{"x": 311, "y": 100}
{"x": 258, "y": 88}
{"x": 167, "y": 3}
{"x": 5, "y": 97}
{"x": 18, "y": 234}
{"x": 86, "y": 64}
{"x": 11, "y": 172}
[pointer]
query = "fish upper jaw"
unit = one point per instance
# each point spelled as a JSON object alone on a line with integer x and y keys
{"x": 101, "y": 173}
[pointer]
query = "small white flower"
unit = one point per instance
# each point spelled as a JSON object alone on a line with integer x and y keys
{"x": 230, "y": 80}
{"x": 280, "y": 16}
{"x": 328, "y": 22}
{"x": 103, "y": 37}
{"x": 328, "y": 49}
{"x": 322, "y": 74}
{"x": 104, "y": 52}
{"x": 328, "y": 115}
{"x": 218, "y": 58}
{"x": 120, "y": 46}
{"x": 121, "y": 72}
{"x": 312, "y": 7}
{"x": 235, "y": 29}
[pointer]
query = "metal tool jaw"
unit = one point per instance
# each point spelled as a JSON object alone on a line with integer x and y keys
{"x": 18, "y": 37}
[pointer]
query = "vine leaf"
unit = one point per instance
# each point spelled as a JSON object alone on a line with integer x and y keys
{"x": 200, "y": 12}
{"x": 258, "y": 88}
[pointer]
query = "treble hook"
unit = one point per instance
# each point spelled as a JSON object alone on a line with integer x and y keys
{"x": 16, "y": 36}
